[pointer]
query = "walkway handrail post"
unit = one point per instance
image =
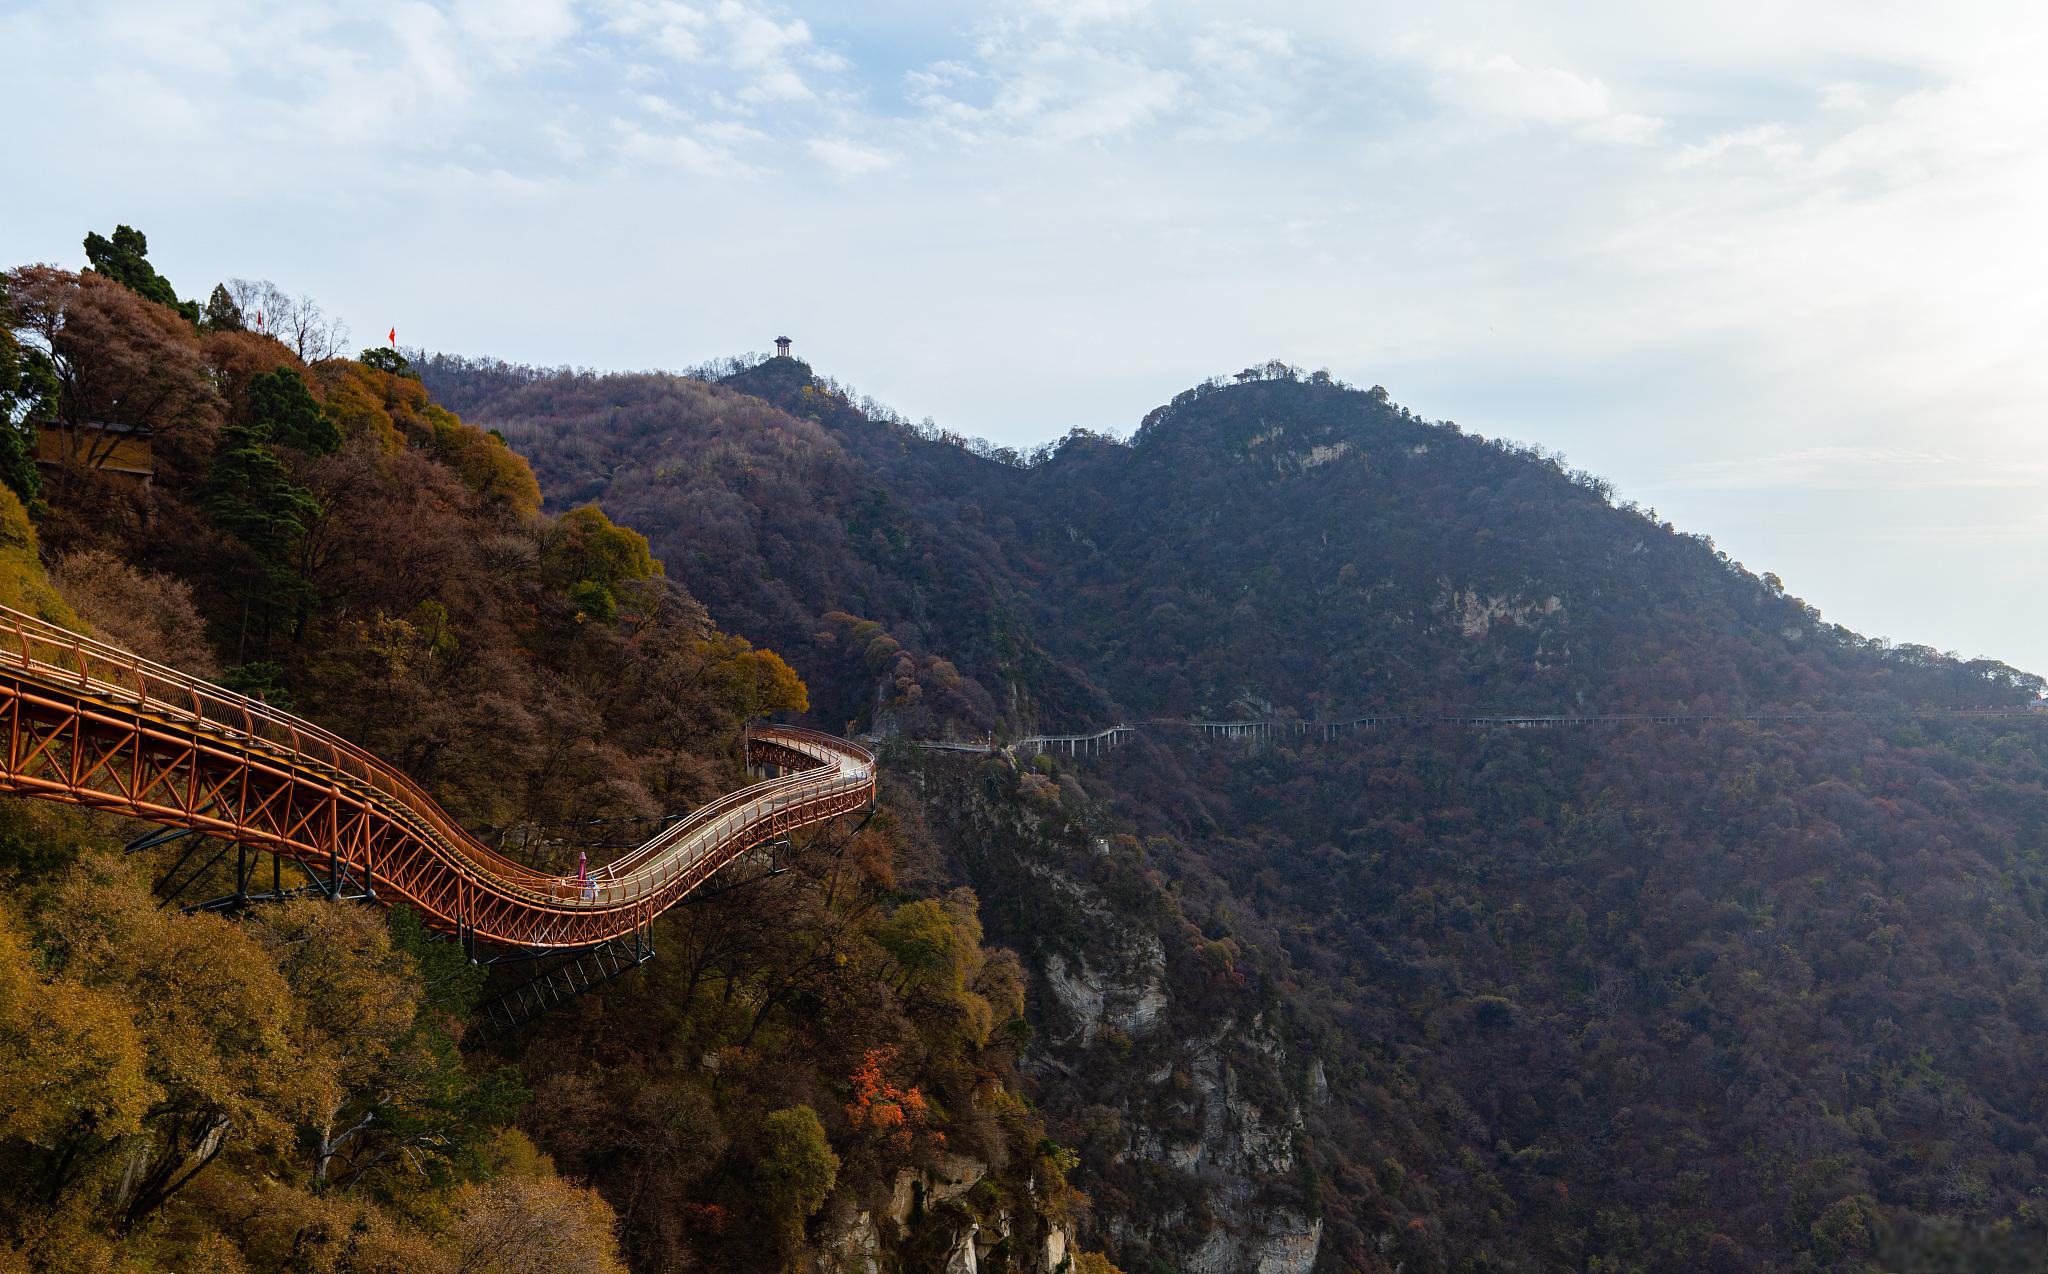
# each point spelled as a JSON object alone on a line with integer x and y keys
{"x": 185, "y": 746}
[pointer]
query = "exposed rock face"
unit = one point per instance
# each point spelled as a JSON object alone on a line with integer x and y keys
{"x": 954, "y": 1176}
{"x": 1090, "y": 998}
{"x": 1273, "y": 446}
{"x": 1186, "y": 1115}
{"x": 932, "y": 1220}
{"x": 961, "y": 1260}
{"x": 1237, "y": 1147}
{"x": 1475, "y": 614}
{"x": 851, "y": 1246}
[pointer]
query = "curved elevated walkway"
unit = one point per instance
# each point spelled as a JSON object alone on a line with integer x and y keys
{"x": 94, "y": 725}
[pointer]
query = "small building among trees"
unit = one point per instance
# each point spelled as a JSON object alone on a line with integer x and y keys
{"x": 106, "y": 446}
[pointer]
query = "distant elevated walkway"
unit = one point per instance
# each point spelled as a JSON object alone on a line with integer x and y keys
{"x": 1264, "y": 730}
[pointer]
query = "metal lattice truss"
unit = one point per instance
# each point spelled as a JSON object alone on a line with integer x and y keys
{"x": 93, "y": 725}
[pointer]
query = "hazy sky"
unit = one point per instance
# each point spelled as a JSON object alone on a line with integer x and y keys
{"x": 1776, "y": 269}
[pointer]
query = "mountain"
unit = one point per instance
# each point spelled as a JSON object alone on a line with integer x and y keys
{"x": 821, "y": 1066}
{"x": 1277, "y": 543}
{"x": 1727, "y": 993}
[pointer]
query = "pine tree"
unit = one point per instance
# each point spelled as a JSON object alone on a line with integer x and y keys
{"x": 125, "y": 259}
{"x": 222, "y": 314}
{"x": 285, "y": 410}
{"x": 253, "y": 495}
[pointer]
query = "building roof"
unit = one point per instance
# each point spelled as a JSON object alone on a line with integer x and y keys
{"x": 106, "y": 427}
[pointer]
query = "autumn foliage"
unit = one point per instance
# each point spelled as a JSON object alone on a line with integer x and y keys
{"x": 295, "y": 1087}
{"x": 891, "y": 1115}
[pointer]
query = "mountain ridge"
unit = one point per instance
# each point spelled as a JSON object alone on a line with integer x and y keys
{"x": 1648, "y": 997}
{"x": 1044, "y": 533}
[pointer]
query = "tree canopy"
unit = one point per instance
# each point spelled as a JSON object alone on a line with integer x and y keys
{"x": 125, "y": 259}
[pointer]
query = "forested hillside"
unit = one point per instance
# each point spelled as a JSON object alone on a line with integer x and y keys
{"x": 1731, "y": 996}
{"x": 825, "y": 1041}
{"x": 1276, "y": 543}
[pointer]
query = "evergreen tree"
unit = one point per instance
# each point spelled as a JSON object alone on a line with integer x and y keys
{"x": 125, "y": 259}
{"x": 28, "y": 399}
{"x": 385, "y": 359}
{"x": 252, "y": 494}
{"x": 222, "y": 314}
{"x": 286, "y": 412}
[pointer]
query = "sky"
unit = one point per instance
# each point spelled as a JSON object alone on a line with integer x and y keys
{"x": 1777, "y": 270}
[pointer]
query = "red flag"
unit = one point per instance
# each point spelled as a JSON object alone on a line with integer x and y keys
{"x": 394, "y": 338}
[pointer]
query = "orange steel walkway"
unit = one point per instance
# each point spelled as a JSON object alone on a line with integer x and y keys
{"x": 94, "y": 725}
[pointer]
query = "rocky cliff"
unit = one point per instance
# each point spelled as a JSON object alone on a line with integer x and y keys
{"x": 1153, "y": 1054}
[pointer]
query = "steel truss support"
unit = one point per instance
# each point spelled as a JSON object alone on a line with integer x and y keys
{"x": 565, "y": 976}
{"x": 570, "y": 975}
{"x": 93, "y": 726}
{"x": 340, "y": 887}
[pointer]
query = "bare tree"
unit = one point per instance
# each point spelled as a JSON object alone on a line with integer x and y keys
{"x": 261, "y": 302}
{"x": 298, "y": 321}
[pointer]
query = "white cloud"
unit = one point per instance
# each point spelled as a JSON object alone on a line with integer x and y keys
{"x": 1084, "y": 12}
{"x": 1772, "y": 143}
{"x": 1243, "y": 50}
{"x": 1249, "y": 78}
{"x": 703, "y": 154}
{"x": 667, "y": 26}
{"x": 1669, "y": 241}
{"x": 1051, "y": 91}
{"x": 1503, "y": 90}
{"x": 1499, "y": 87}
{"x": 850, "y": 159}
{"x": 733, "y": 134}
{"x": 1890, "y": 467}
{"x": 655, "y": 105}
{"x": 430, "y": 52}
{"x": 768, "y": 54}
{"x": 1624, "y": 127}
{"x": 513, "y": 31}
{"x": 1844, "y": 96}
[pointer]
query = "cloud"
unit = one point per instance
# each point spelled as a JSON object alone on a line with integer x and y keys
{"x": 1862, "y": 467}
{"x": 1243, "y": 51}
{"x": 1760, "y": 248}
{"x": 705, "y": 153}
{"x": 1844, "y": 96}
{"x": 1050, "y": 91}
{"x": 1499, "y": 87}
{"x": 767, "y": 50}
{"x": 1506, "y": 91}
{"x": 767, "y": 56}
{"x": 511, "y": 32}
{"x": 1248, "y": 78}
{"x": 668, "y": 27}
{"x": 655, "y": 105}
{"x": 850, "y": 159}
{"x": 1771, "y": 143}
{"x": 1072, "y": 13}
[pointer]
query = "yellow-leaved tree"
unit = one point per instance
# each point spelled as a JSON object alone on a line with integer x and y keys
{"x": 216, "y": 1019}
{"x": 72, "y": 1072}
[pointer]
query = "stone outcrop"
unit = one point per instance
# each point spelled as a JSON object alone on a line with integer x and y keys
{"x": 1188, "y": 1115}
{"x": 935, "y": 1215}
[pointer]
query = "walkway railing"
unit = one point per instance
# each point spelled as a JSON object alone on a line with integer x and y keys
{"x": 1263, "y": 729}
{"x": 94, "y": 725}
